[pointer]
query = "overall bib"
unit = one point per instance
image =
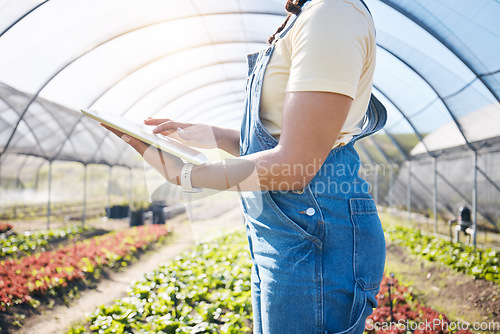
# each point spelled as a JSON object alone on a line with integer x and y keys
{"x": 318, "y": 254}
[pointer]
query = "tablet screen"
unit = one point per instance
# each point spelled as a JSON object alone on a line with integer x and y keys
{"x": 135, "y": 130}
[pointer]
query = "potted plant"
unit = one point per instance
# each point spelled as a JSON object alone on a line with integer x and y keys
{"x": 137, "y": 209}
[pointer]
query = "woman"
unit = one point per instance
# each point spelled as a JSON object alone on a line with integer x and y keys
{"x": 315, "y": 238}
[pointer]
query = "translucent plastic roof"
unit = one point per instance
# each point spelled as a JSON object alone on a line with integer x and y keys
{"x": 437, "y": 68}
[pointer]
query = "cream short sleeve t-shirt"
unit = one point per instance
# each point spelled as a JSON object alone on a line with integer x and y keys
{"x": 330, "y": 48}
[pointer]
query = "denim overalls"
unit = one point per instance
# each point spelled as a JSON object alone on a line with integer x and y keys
{"x": 318, "y": 254}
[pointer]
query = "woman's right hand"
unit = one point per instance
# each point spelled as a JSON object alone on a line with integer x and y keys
{"x": 197, "y": 135}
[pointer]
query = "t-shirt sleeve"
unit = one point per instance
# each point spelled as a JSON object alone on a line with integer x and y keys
{"x": 329, "y": 45}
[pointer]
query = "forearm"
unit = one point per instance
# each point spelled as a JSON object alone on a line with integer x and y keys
{"x": 266, "y": 170}
{"x": 228, "y": 140}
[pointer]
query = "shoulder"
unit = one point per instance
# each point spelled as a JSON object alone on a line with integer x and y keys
{"x": 328, "y": 14}
{"x": 332, "y": 25}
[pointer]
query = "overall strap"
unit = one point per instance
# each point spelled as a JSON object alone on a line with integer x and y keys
{"x": 364, "y": 4}
{"x": 290, "y": 24}
{"x": 374, "y": 120}
{"x": 376, "y": 114}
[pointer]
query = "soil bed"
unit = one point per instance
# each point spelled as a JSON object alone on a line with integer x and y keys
{"x": 459, "y": 296}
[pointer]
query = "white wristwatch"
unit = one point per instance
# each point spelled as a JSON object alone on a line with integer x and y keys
{"x": 186, "y": 179}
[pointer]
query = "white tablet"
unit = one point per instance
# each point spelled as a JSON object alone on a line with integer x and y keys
{"x": 135, "y": 130}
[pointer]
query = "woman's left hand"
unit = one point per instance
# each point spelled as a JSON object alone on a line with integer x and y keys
{"x": 166, "y": 164}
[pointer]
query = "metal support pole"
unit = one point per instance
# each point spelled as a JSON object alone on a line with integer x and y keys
{"x": 37, "y": 179}
{"x": 408, "y": 192}
{"x": 84, "y": 214}
{"x": 49, "y": 194}
{"x": 129, "y": 186}
{"x": 109, "y": 190}
{"x": 474, "y": 200}
{"x": 435, "y": 197}
{"x": 0, "y": 180}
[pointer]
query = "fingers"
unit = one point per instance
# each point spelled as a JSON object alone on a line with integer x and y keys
{"x": 116, "y": 132}
{"x": 169, "y": 127}
{"x": 155, "y": 121}
{"x": 136, "y": 144}
{"x": 174, "y": 135}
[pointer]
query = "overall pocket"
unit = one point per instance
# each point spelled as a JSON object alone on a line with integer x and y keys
{"x": 369, "y": 243}
{"x": 301, "y": 225}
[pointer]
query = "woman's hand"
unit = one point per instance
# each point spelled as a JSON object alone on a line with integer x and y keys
{"x": 197, "y": 135}
{"x": 166, "y": 164}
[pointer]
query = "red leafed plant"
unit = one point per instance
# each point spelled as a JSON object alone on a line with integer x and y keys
{"x": 398, "y": 312}
{"x": 32, "y": 276}
{"x": 4, "y": 227}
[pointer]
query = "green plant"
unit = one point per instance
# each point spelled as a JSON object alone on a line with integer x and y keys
{"x": 27, "y": 243}
{"x": 480, "y": 263}
{"x": 206, "y": 290}
{"x": 138, "y": 205}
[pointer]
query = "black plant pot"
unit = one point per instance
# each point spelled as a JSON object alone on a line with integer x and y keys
{"x": 137, "y": 217}
{"x": 123, "y": 211}
{"x": 117, "y": 211}
{"x": 158, "y": 215}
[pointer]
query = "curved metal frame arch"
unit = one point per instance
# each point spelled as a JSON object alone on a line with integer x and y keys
{"x": 208, "y": 84}
{"x": 163, "y": 57}
{"x": 397, "y": 144}
{"x": 179, "y": 96}
{"x": 22, "y": 17}
{"x": 107, "y": 41}
{"x": 61, "y": 127}
{"x": 433, "y": 33}
{"x": 375, "y": 175}
{"x": 227, "y": 107}
{"x": 382, "y": 152}
{"x": 433, "y": 156}
{"x": 20, "y": 169}
{"x": 219, "y": 105}
{"x": 174, "y": 99}
{"x": 407, "y": 119}
{"x": 27, "y": 125}
{"x": 455, "y": 120}
{"x": 63, "y": 144}
{"x": 143, "y": 96}
{"x": 173, "y": 78}
{"x": 391, "y": 165}
{"x": 417, "y": 133}
{"x": 37, "y": 140}
{"x": 386, "y": 2}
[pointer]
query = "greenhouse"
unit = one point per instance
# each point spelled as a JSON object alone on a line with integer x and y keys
{"x": 437, "y": 74}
